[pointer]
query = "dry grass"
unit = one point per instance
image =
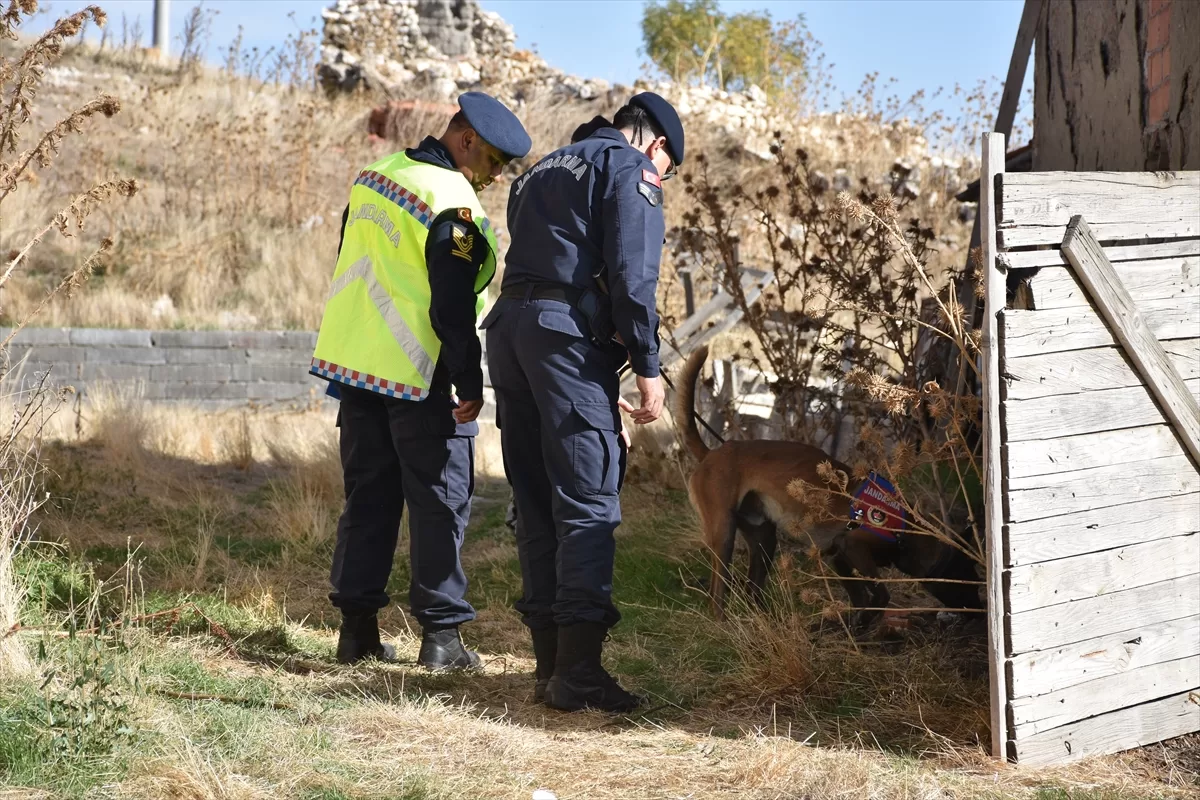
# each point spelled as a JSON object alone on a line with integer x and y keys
{"x": 243, "y": 184}
{"x": 763, "y": 706}
{"x": 178, "y": 592}
{"x": 243, "y": 188}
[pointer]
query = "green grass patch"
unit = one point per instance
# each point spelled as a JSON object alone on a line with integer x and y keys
{"x": 256, "y": 551}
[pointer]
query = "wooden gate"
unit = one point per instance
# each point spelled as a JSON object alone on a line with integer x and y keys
{"x": 1091, "y": 372}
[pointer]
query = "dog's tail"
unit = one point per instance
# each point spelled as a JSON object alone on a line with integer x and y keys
{"x": 685, "y": 402}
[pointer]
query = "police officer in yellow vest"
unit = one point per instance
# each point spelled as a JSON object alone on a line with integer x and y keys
{"x": 398, "y": 341}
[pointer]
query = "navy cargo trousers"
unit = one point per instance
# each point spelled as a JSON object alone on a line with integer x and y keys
{"x": 556, "y": 405}
{"x": 397, "y": 453}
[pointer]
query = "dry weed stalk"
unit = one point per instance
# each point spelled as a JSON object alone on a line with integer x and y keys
{"x": 20, "y": 81}
{"x": 21, "y": 494}
{"x": 21, "y": 490}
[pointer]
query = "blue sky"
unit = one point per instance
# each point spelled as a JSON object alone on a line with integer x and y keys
{"x": 920, "y": 43}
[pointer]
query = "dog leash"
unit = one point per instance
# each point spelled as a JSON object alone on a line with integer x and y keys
{"x": 670, "y": 385}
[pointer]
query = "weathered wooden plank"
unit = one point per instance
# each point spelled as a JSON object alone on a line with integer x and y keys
{"x": 1052, "y": 198}
{"x": 1040, "y": 496}
{"x": 1095, "y": 574}
{"x": 1123, "y": 316}
{"x": 1105, "y": 448}
{"x": 1087, "y": 370}
{"x": 994, "y": 282}
{"x": 1087, "y": 412}
{"x": 1065, "y": 623}
{"x": 1162, "y": 279}
{"x": 1174, "y": 248}
{"x": 1166, "y": 228}
{"x": 1017, "y": 63}
{"x": 1056, "y": 330}
{"x": 1032, "y": 715}
{"x": 1042, "y": 671}
{"x": 1037, "y": 206}
{"x": 1109, "y": 733}
{"x": 1066, "y": 535}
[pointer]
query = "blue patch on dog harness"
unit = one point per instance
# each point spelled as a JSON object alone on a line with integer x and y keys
{"x": 877, "y": 508}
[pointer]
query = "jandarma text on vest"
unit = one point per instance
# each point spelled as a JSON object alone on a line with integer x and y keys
{"x": 377, "y": 214}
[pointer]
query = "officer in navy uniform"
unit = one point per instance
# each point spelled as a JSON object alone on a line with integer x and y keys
{"x": 583, "y": 131}
{"x": 397, "y": 452}
{"x": 577, "y": 300}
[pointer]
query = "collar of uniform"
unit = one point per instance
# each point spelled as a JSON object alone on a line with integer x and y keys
{"x": 609, "y": 133}
{"x": 431, "y": 151}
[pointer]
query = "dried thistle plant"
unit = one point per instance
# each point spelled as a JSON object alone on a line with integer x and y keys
{"x": 845, "y": 293}
{"x": 855, "y": 298}
{"x": 20, "y": 80}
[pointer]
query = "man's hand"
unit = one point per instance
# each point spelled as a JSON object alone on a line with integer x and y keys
{"x": 652, "y": 400}
{"x": 467, "y": 410}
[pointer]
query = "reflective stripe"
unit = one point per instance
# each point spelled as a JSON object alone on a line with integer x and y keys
{"x": 362, "y": 380}
{"x": 393, "y": 191}
{"x": 383, "y": 302}
{"x": 407, "y": 200}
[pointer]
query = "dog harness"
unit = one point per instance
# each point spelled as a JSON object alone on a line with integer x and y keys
{"x": 877, "y": 508}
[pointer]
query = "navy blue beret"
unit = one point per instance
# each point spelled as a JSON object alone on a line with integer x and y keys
{"x": 664, "y": 116}
{"x": 498, "y": 126}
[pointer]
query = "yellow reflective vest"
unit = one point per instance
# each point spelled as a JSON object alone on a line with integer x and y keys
{"x": 375, "y": 332}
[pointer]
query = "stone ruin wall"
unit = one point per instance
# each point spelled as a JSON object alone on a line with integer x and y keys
{"x": 436, "y": 49}
{"x": 440, "y": 48}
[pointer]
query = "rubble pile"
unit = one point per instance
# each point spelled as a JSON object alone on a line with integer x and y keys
{"x": 437, "y": 48}
{"x": 429, "y": 51}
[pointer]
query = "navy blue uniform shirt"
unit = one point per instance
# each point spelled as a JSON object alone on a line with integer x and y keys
{"x": 452, "y": 285}
{"x": 588, "y": 206}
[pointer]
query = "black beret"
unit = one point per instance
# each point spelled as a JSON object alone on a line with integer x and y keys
{"x": 588, "y": 128}
{"x": 664, "y": 116}
{"x": 498, "y": 126}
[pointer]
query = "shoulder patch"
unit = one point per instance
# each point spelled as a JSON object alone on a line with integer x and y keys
{"x": 652, "y": 194}
{"x": 464, "y": 214}
{"x": 651, "y": 177}
{"x": 462, "y": 242}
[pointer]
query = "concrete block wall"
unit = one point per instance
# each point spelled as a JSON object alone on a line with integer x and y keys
{"x": 202, "y": 367}
{"x": 205, "y": 368}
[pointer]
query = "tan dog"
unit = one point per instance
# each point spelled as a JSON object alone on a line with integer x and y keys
{"x": 743, "y": 486}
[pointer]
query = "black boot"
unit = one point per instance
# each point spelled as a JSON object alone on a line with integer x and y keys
{"x": 545, "y": 650}
{"x": 580, "y": 680}
{"x": 443, "y": 650}
{"x": 359, "y": 639}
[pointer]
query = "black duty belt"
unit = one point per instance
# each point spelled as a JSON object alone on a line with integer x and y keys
{"x": 544, "y": 291}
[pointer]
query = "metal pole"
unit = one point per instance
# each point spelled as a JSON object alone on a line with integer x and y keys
{"x": 162, "y": 28}
{"x": 689, "y": 297}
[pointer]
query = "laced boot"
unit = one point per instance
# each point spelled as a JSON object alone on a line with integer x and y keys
{"x": 545, "y": 650}
{"x": 443, "y": 650}
{"x": 359, "y": 639}
{"x": 580, "y": 680}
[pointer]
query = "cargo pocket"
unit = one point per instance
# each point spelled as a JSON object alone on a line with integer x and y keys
{"x": 595, "y": 448}
{"x": 561, "y": 322}
{"x": 458, "y": 472}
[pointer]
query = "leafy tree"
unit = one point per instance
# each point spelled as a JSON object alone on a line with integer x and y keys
{"x": 693, "y": 41}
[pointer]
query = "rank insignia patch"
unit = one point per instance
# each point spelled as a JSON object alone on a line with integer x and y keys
{"x": 652, "y": 194}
